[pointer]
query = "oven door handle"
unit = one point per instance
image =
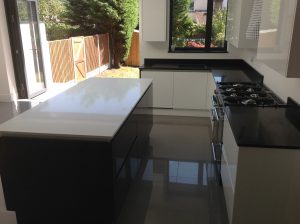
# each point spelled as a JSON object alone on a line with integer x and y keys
{"x": 214, "y": 154}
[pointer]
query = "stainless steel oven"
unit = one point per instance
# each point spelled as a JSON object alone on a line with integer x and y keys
{"x": 217, "y": 118}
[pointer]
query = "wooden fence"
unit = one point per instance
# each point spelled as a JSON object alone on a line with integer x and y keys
{"x": 134, "y": 54}
{"x": 92, "y": 52}
{"x": 61, "y": 56}
{"x": 76, "y": 57}
{"x": 104, "y": 49}
{"x": 73, "y": 58}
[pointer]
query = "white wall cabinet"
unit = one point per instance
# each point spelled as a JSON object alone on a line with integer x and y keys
{"x": 154, "y": 17}
{"x": 162, "y": 88}
{"x": 260, "y": 184}
{"x": 179, "y": 89}
{"x": 190, "y": 90}
{"x": 279, "y": 45}
{"x": 238, "y": 19}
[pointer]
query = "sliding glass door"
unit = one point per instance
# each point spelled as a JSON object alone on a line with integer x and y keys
{"x": 32, "y": 48}
{"x": 24, "y": 30}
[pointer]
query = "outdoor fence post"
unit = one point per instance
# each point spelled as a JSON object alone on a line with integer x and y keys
{"x": 73, "y": 58}
{"x": 84, "y": 57}
{"x": 99, "y": 54}
{"x": 109, "y": 55}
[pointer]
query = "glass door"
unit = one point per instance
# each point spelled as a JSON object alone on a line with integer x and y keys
{"x": 32, "y": 47}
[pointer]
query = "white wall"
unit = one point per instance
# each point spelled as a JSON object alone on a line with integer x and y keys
{"x": 281, "y": 85}
{"x": 200, "y": 5}
{"x": 160, "y": 49}
{"x": 8, "y": 90}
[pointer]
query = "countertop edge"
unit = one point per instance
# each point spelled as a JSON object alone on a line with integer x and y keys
{"x": 72, "y": 136}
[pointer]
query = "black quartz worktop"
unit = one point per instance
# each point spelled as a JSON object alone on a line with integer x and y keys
{"x": 265, "y": 127}
{"x": 192, "y": 64}
{"x": 223, "y": 70}
{"x": 236, "y": 75}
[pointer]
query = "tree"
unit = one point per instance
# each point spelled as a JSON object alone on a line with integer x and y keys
{"x": 116, "y": 17}
{"x": 183, "y": 27}
{"x": 52, "y": 13}
{"x": 219, "y": 27}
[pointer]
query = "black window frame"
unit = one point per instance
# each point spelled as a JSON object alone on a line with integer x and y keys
{"x": 208, "y": 34}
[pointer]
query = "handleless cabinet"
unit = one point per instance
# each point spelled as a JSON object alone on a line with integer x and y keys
{"x": 260, "y": 184}
{"x": 190, "y": 90}
{"x": 180, "y": 89}
{"x": 211, "y": 87}
{"x": 154, "y": 20}
{"x": 162, "y": 87}
{"x": 229, "y": 166}
{"x": 278, "y": 45}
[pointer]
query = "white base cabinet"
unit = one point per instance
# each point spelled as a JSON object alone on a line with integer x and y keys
{"x": 162, "y": 88}
{"x": 261, "y": 185}
{"x": 190, "y": 90}
{"x": 179, "y": 89}
{"x": 211, "y": 87}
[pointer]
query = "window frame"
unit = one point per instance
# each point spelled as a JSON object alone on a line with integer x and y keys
{"x": 208, "y": 34}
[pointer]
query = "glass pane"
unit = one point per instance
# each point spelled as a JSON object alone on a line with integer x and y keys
{"x": 189, "y": 23}
{"x": 23, "y": 11}
{"x": 219, "y": 23}
{"x": 31, "y": 46}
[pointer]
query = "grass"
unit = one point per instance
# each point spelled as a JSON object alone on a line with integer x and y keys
{"x": 123, "y": 72}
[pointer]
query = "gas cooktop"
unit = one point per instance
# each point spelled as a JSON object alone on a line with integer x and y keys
{"x": 247, "y": 94}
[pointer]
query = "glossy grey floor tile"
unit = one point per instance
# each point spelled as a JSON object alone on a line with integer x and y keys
{"x": 177, "y": 183}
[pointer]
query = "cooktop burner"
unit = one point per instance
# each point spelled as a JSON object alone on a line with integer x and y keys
{"x": 247, "y": 94}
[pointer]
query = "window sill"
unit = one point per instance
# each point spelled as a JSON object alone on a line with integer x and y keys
{"x": 198, "y": 51}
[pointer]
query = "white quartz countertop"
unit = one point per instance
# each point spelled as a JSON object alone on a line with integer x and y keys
{"x": 94, "y": 109}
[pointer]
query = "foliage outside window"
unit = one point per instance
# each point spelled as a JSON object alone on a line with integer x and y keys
{"x": 198, "y": 26}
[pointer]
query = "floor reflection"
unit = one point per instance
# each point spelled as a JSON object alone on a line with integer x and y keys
{"x": 182, "y": 188}
{"x": 184, "y": 172}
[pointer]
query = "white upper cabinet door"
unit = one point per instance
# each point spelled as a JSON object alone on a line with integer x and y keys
{"x": 162, "y": 88}
{"x": 279, "y": 45}
{"x": 190, "y": 90}
{"x": 154, "y": 20}
{"x": 241, "y": 21}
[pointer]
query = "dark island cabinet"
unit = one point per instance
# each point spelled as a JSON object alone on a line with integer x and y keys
{"x": 68, "y": 181}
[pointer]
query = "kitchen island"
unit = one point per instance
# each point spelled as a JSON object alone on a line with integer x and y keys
{"x": 66, "y": 159}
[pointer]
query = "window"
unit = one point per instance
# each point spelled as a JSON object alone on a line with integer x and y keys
{"x": 198, "y": 26}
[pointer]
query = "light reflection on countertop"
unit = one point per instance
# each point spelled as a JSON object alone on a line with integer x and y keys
{"x": 94, "y": 108}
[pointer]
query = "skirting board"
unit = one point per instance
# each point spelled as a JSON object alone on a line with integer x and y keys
{"x": 177, "y": 112}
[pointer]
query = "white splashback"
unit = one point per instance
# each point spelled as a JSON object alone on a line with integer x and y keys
{"x": 280, "y": 84}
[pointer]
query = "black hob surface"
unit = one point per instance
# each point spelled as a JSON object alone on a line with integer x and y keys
{"x": 247, "y": 94}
